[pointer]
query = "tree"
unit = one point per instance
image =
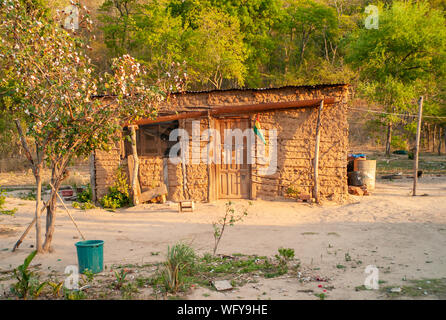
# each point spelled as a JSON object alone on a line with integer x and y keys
{"x": 49, "y": 79}
{"x": 215, "y": 51}
{"x": 153, "y": 35}
{"x": 396, "y": 60}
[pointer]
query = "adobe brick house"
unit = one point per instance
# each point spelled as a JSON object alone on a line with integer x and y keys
{"x": 292, "y": 111}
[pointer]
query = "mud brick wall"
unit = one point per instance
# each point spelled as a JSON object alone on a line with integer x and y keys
{"x": 295, "y": 153}
{"x": 150, "y": 172}
{"x": 106, "y": 164}
{"x": 296, "y": 130}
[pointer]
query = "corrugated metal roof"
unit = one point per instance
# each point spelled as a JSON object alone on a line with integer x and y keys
{"x": 315, "y": 86}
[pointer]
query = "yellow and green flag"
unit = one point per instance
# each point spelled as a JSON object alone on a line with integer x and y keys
{"x": 257, "y": 130}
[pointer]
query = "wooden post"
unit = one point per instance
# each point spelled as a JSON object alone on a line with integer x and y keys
{"x": 208, "y": 165}
{"x": 135, "y": 181}
{"x": 316, "y": 153}
{"x": 93, "y": 177}
{"x": 68, "y": 211}
{"x": 417, "y": 147}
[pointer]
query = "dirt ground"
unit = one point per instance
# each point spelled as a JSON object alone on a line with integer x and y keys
{"x": 404, "y": 236}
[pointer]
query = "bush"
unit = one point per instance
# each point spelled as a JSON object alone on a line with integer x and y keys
{"x": 84, "y": 205}
{"x": 28, "y": 283}
{"x": 399, "y": 143}
{"x": 2, "y": 203}
{"x": 86, "y": 195}
{"x": 178, "y": 269}
{"x": 118, "y": 194}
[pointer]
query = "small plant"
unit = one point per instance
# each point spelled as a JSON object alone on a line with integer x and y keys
{"x": 285, "y": 254}
{"x": 178, "y": 268}
{"x": 118, "y": 194}
{"x": 86, "y": 195}
{"x": 128, "y": 290}
{"x": 293, "y": 191}
{"x": 89, "y": 275}
{"x": 74, "y": 294}
{"x": 120, "y": 278}
{"x": 28, "y": 283}
{"x": 57, "y": 288}
{"x": 321, "y": 296}
{"x": 347, "y": 257}
{"x": 2, "y": 203}
{"x": 230, "y": 218}
{"x": 83, "y": 205}
{"x": 31, "y": 195}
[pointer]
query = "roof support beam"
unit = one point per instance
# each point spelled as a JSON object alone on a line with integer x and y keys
{"x": 239, "y": 109}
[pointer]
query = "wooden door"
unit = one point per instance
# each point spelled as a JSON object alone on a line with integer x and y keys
{"x": 233, "y": 178}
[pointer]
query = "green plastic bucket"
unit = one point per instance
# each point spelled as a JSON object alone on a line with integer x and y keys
{"x": 90, "y": 255}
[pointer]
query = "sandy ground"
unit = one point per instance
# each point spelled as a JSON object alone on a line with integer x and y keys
{"x": 404, "y": 236}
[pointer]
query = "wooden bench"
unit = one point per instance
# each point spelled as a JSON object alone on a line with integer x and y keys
{"x": 187, "y": 204}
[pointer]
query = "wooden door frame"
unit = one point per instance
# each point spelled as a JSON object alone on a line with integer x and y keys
{"x": 216, "y": 167}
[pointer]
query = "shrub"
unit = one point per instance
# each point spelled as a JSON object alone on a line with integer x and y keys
{"x": 27, "y": 281}
{"x": 84, "y": 205}
{"x": 118, "y": 194}
{"x": 2, "y": 203}
{"x": 293, "y": 191}
{"x": 178, "y": 268}
{"x": 86, "y": 195}
{"x": 399, "y": 143}
{"x": 31, "y": 195}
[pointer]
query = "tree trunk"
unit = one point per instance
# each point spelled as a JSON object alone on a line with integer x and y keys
{"x": 38, "y": 210}
{"x": 439, "y": 141}
{"x": 58, "y": 176}
{"x": 428, "y": 137}
{"x": 50, "y": 222}
{"x": 444, "y": 137}
{"x": 434, "y": 137}
{"x": 135, "y": 181}
{"x": 389, "y": 139}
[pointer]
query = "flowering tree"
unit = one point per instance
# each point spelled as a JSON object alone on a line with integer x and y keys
{"x": 50, "y": 83}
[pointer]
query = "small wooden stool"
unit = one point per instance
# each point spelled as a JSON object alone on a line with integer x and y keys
{"x": 188, "y": 205}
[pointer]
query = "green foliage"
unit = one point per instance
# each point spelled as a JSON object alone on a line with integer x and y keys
{"x": 83, "y": 205}
{"x": 347, "y": 257}
{"x": 74, "y": 294}
{"x": 120, "y": 278}
{"x": 86, "y": 195}
{"x": 57, "y": 288}
{"x": 28, "y": 283}
{"x": 179, "y": 265}
{"x": 89, "y": 274}
{"x": 321, "y": 296}
{"x": 401, "y": 60}
{"x": 285, "y": 254}
{"x": 399, "y": 143}
{"x": 229, "y": 43}
{"x": 293, "y": 191}
{"x": 118, "y": 193}
{"x": 2, "y": 203}
{"x": 31, "y": 195}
